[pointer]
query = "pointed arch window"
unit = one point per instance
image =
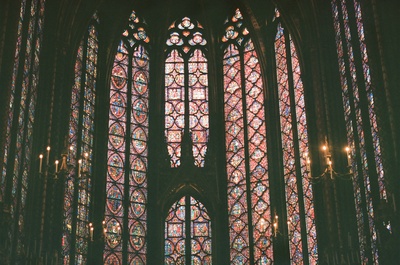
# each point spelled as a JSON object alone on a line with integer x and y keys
{"x": 361, "y": 122}
{"x": 21, "y": 115}
{"x": 187, "y": 233}
{"x": 250, "y": 224}
{"x": 78, "y": 187}
{"x": 125, "y": 224}
{"x": 294, "y": 138}
{"x": 186, "y": 90}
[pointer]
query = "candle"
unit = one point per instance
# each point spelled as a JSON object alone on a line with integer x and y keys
{"x": 91, "y": 231}
{"x": 308, "y": 163}
{"x": 85, "y": 161}
{"x": 40, "y": 163}
{"x": 348, "y": 156}
{"x": 79, "y": 167}
{"x": 276, "y": 225}
{"x": 48, "y": 154}
{"x": 327, "y": 156}
{"x": 330, "y": 170}
{"x": 57, "y": 166}
{"x": 289, "y": 226}
{"x": 70, "y": 149}
{"x": 324, "y": 148}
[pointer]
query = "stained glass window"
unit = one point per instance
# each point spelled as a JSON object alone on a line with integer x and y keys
{"x": 21, "y": 116}
{"x": 186, "y": 90}
{"x": 294, "y": 139}
{"x": 187, "y": 233}
{"x": 125, "y": 224}
{"x": 250, "y": 224}
{"x": 77, "y": 190}
{"x": 361, "y": 122}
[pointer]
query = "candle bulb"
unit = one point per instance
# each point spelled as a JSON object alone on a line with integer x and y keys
{"x": 324, "y": 148}
{"x": 57, "y": 166}
{"x": 91, "y": 231}
{"x": 327, "y": 155}
{"x": 40, "y": 163}
{"x": 48, "y": 155}
{"x": 70, "y": 149}
{"x": 79, "y": 167}
{"x": 85, "y": 160}
{"x": 308, "y": 163}
{"x": 348, "y": 156}
{"x": 330, "y": 168}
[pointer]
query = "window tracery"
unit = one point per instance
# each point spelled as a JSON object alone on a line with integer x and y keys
{"x": 250, "y": 224}
{"x": 294, "y": 137}
{"x": 17, "y": 156}
{"x": 361, "y": 121}
{"x": 186, "y": 90}
{"x": 187, "y": 233}
{"x": 125, "y": 223}
{"x": 78, "y": 183}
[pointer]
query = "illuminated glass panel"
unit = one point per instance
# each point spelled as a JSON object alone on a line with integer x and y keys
{"x": 198, "y": 105}
{"x": 187, "y": 230}
{"x": 127, "y": 150}
{"x": 301, "y": 121}
{"x": 175, "y": 234}
{"x": 349, "y": 62}
{"x": 246, "y": 148}
{"x": 174, "y": 105}
{"x": 81, "y": 130}
{"x": 370, "y": 99}
{"x": 21, "y": 115}
{"x": 235, "y": 155}
{"x": 293, "y": 122}
{"x": 12, "y": 99}
{"x": 186, "y": 91}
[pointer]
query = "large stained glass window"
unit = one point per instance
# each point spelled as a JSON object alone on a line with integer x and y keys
{"x": 294, "y": 137}
{"x": 186, "y": 90}
{"x": 21, "y": 115}
{"x": 125, "y": 224}
{"x": 361, "y": 122}
{"x": 250, "y": 224}
{"x": 187, "y": 233}
{"x": 77, "y": 190}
